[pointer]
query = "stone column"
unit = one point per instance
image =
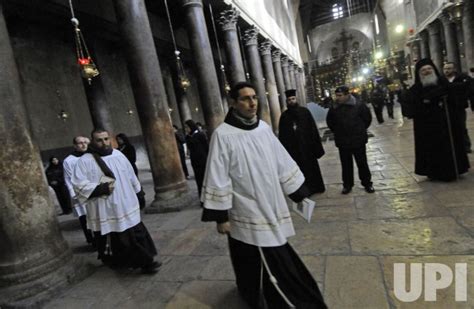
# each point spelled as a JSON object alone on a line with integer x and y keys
{"x": 181, "y": 97}
{"x": 425, "y": 46}
{"x": 256, "y": 75}
{"x": 291, "y": 74}
{"x": 150, "y": 97}
{"x": 208, "y": 84}
{"x": 452, "y": 45}
{"x": 228, "y": 21}
{"x": 415, "y": 50}
{"x": 286, "y": 75}
{"x": 276, "y": 58}
{"x": 172, "y": 102}
{"x": 299, "y": 79}
{"x": 270, "y": 83}
{"x": 468, "y": 29}
{"x": 97, "y": 101}
{"x": 35, "y": 261}
{"x": 436, "y": 49}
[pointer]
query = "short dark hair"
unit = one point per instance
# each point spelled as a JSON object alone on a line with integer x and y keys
{"x": 98, "y": 130}
{"x": 342, "y": 89}
{"x": 74, "y": 140}
{"x": 234, "y": 91}
{"x": 191, "y": 124}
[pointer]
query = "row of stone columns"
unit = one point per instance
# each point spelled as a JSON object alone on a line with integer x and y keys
{"x": 429, "y": 44}
{"x": 269, "y": 71}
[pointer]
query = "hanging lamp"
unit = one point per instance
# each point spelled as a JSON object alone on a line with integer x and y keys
{"x": 183, "y": 80}
{"x": 86, "y": 64}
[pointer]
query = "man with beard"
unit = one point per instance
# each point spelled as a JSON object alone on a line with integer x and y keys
{"x": 349, "y": 119}
{"x": 437, "y": 124}
{"x": 462, "y": 97}
{"x": 300, "y": 136}
{"x": 247, "y": 177}
{"x": 80, "y": 144}
{"x": 105, "y": 180}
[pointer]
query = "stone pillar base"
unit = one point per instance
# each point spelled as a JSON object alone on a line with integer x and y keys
{"x": 35, "y": 293}
{"x": 181, "y": 199}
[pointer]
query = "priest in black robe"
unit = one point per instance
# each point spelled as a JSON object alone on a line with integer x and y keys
{"x": 300, "y": 136}
{"x": 437, "y": 124}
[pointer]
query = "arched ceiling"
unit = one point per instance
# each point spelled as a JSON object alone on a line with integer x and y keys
{"x": 318, "y": 12}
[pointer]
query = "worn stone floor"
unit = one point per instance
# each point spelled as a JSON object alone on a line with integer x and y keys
{"x": 350, "y": 246}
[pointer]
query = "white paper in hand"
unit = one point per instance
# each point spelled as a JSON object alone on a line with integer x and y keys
{"x": 304, "y": 209}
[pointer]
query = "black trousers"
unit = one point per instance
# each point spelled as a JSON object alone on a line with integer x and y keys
{"x": 390, "y": 110}
{"x": 87, "y": 233}
{"x": 378, "y": 110}
{"x": 346, "y": 154}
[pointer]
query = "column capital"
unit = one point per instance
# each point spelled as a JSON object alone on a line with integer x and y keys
{"x": 276, "y": 55}
{"x": 284, "y": 60}
{"x": 291, "y": 64}
{"x": 266, "y": 47}
{"x": 228, "y": 19}
{"x": 251, "y": 36}
{"x": 445, "y": 18}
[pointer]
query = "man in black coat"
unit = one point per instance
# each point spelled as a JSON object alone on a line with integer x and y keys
{"x": 462, "y": 97}
{"x": 300, "y": 136}
{"x": 437, "y": 125}
{"x": 377, "y": 97}
{"x": 349, "y": 120}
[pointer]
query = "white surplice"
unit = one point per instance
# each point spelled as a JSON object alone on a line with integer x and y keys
{"x": 249, "y": 173}
{"x": 68, "y": 164}
{"x": 109, "y": 213}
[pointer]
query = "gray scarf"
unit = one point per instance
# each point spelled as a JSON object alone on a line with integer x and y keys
{"x": 245, "y": 121}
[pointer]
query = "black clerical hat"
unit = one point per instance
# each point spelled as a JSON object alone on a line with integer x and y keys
{"x": 290, "y": 93}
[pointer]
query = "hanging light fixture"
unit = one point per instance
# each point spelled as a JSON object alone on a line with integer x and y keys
{"x": 84, "y": 59}
{"x": 183, "y": 80}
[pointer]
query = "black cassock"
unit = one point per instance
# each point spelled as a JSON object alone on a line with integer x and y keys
{"x": 433, "y": 151}
{"x": 300, "y": 136}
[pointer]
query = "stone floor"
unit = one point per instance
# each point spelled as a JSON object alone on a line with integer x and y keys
{"x": 350, "y": 246}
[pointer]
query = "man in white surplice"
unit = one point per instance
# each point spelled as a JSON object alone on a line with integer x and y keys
{"x": 247, "y": 177}
{"x": 105, "y": 181}
{"x": 80, "y": 147}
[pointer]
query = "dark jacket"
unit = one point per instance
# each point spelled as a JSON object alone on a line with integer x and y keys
{"x": 464, "y": 85}
{"x": 349, "y": 122}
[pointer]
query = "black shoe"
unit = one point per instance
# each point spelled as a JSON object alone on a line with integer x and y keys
{"x": 369, "y": 189}
{"x": 346, "y": 190}
{"x": 152, "y": 268}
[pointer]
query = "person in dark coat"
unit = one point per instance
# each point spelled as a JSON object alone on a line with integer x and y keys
{"x": 390, "y": 103}
{"x": 377, "y": 98}
{"x": 128, "y": 150}
{"x": 462, "y": 97}
{"x": 300, "y": 136}
{"x": 55, "y": 177}
{"x": 437, "y": 124}
{"x": 349, "y": 120}
{"x": 180, "y": 140}
{"x": 198, "y": 150}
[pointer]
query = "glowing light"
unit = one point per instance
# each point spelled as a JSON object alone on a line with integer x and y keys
{"x": 399, "y": 28}
{"x": 365, "y": 71}
{"x": 360, "y": 78}
{"x": 378, "y": 55}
